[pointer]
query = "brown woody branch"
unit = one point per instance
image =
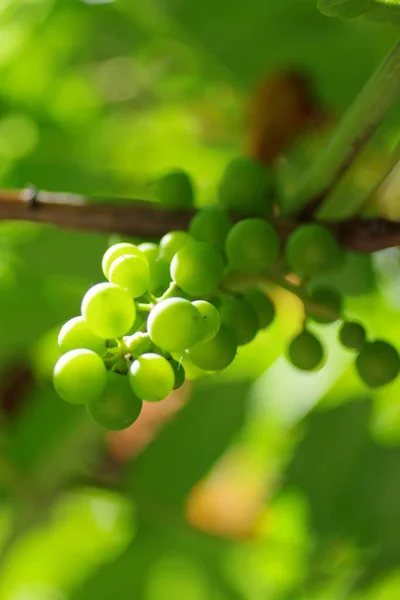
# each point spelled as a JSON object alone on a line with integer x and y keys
{"x": 147, "y": 220}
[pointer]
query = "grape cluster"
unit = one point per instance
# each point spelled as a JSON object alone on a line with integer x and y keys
{"x": 166, "y": 310}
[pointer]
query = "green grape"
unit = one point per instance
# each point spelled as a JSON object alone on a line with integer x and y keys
{"x": 306, "y": 352}
{"x": 216, "y": 354}
{"x": 179, "y": 373}
{"x": 159, "y": 269}
{"x": 150, "y": 251}
{"x": 131, "y": 273}
{"x": 241, "y": 318}
{"x": 116, "y": 411}
{"x": 118, "y": 250}
{"x": 76, "y": 334}
{"x": 160, "y": 277}
{"x": 211, "y": 319}
{"x": 138, "y": 343}
{"x": 175, "y": 324}
{"x": 197, "y": 269}
{"x": 252, "y": 245}
{"x": 378, "y": 363}
{"x": 173, "y": 241}
{"x": 313, "y": 250}
{"x": 191, "y": 371}
{"x": 175, "y": 189}
{"x": 108, "y": 310}
{"x": 263, "y": 306}
{"x": 328, "y": 299}
{"x": 352, "y": 335}
{"x": 210, "y": 225}
{"x": 246, "y": 187}
{"x": 152, "y": 377}
{"x": 79, "y": 376}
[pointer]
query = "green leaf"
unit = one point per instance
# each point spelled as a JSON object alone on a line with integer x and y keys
{"x": 351, "y": 486}
{"x": 345, "y": 9}
{"x": 188, "y": 447}
{"x": 373, "y": 10}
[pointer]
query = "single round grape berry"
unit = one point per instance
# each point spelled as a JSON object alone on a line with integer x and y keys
{"x": 197, "y": 268}
{"x": 179, "y": 373}
{"x": 118, "y": 250}
{"x": 210, "y": 225}
{"x": 246, "y": 187}
{"x": 151, "y": 377}
{"x": 173, "y": 241}
{"x": 378, "y": 363}
{"x": 327, "y": 305}
{"x": 175, "y": 189}
{"x": 115, "y": 412}
{"x": 131, "y": 273}
{"x": 216, "y": 354}
{"x": 150, "y": 251}
{"x": 79, "y": 376}
{"x": 108, "y": 310}
{"x": 211, "y": 319}
{"x": 241, "y": 318}
{"x": 252, "y": 245}
{"x": 76, "y": 334}
{"x": 313, "y": 250}
{"x": 306, "y": 352}
{"x": 352, "y": 335}
{"x": 160, "y": 276}
{"x": 175, "y": 324}
{"x": 263, "y": 306}
{"x": 138, "y": 343}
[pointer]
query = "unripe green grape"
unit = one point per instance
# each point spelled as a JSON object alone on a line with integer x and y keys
{"x": 138, "y": 343}
{"x": 151, "y": 377}
{"x": 76, "y": 334}
{"x": 118, "y": 250}
{"x": 175, "y": 189}
{"x": 179, "y": 373}
{"x": 150, "y": 251}
{"x": 175, "y": 324}
{"x": 378, "y": 363}
{"x": 252, "y": 245}
{"x": 160, "y": 277}
{"x": 241, "y": 318}
{"x": 192, "y": 372}
{"x": 263, "y": 306}
{"x": 211, "y": 319}
{"x": 173, "y": 241}
{"x": 352, "y": 335}
{"x": 108, "y": 310}
{"x": 79, "y": 376}
{"x": 246, "y": 187}
{"x": 132, "y": 273}
{"x": 115, "y": 412}
{"x": 210, "y": 225}
{"x": 313, "y": 250}
{"x": 216, "y": 354}
{"x": 328, "y": 299}
{"x": 197, "y": 269}
{"x": 306, "y": 352}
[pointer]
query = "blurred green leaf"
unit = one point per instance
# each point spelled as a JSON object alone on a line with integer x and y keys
{"x": 379, "y": 10}
{"x": 189, "y": 446}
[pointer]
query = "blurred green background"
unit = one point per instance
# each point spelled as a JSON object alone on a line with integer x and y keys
{"x": 260, "y": 483}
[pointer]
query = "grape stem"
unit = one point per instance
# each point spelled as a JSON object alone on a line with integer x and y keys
{"x": 143, "y": 307}
{"x": 242, "y": 281}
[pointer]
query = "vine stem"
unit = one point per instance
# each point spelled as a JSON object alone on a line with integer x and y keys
{"x": 354, "y": 131}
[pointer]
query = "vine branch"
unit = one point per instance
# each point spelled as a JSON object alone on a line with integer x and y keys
{"x": 147, "y": 220}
